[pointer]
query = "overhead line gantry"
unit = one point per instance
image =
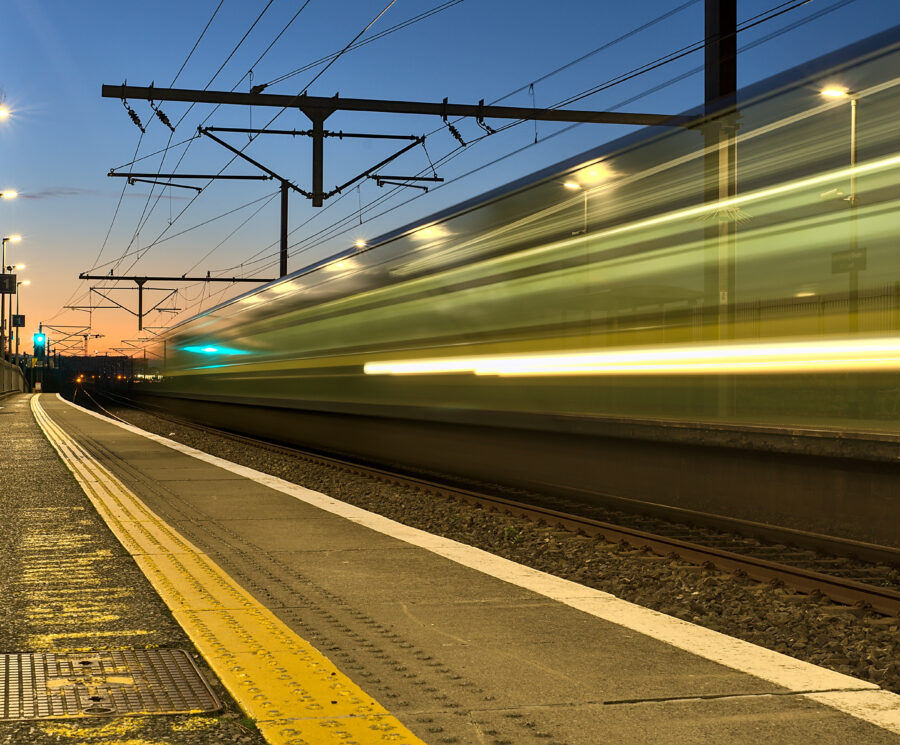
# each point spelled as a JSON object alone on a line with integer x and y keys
{"x": 317, "y": 109}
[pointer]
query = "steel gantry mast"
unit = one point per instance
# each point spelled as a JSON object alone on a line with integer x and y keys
{"x": 140, "y": 281}
{"x": 317, "y": 109}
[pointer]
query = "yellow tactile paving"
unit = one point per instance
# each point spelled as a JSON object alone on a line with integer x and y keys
{"x": 192, "y": 581}
{"x": 295, "y": 694}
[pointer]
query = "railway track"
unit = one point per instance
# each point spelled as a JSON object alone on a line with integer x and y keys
{"x": 845, "y": 571}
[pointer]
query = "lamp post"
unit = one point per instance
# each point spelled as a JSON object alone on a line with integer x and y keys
{"x": 10, "y": 269}
{"x": 7, "y": 194}
{"x": 8, "y": 239}
{"x": 575, "y": 186}
{"x": 852, "y": 200}
{"x": 18, "y": 285}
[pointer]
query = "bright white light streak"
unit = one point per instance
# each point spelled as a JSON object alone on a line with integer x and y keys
{"x": 777, "y": 357}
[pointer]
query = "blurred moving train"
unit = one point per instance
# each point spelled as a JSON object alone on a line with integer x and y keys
{"x": 587, "y": 328}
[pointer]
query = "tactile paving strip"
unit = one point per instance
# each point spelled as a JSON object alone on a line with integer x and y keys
{"x": 109, "y": 683}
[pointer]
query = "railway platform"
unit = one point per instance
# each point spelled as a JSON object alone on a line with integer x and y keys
{"x": 329, "y": 624}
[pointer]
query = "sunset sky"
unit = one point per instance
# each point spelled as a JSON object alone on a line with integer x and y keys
{"x": 62, "y": 138}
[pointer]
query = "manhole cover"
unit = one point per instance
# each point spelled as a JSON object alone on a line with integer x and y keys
{"x": 140, "y": 681}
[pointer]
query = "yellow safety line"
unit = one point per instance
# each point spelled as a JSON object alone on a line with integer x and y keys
{"x": 293, "y": 692}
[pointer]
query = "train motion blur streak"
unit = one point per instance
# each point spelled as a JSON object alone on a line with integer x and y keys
{"x": 592, "y": 289}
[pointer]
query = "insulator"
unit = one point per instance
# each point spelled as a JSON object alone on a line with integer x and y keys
{"x": 455, "y": 132}
{"x": 164, "y": 119}
{"x": 134, "y": 117}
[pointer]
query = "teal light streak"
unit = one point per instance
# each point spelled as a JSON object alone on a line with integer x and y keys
{"x": 209, "y": 349}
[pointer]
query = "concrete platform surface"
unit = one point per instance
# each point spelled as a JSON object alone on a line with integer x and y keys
{"x": 463, "y": 647}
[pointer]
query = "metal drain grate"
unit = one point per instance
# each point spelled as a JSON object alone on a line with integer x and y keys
{"x": 131, "y": 681}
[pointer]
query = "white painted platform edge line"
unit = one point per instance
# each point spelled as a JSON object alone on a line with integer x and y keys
{"x": 775, "y": 667}
{"x": 877, "y": 707}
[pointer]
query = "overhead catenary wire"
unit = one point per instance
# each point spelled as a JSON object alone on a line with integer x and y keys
{"x": 330, "y": 58}
{"x": 266, "y": 197}
{"x": 136, "y": 151}
{"x": 375, "y": 37}
{"x": 755, "y": 19}
{"x": 449, "y": 156}
{"x": 456, "y": 152}
{"x": 209, "y": 83}
{"x": 346, "y": 48}
{"x": 112, "y": 222}
{"x": 157, "y": 240}
{"x": 145, "y": 215}
{"x": 197, "y": 43}
{"x": 209, "y": 253}
{"x": 337, "y": 228}
{"x": 391, "y": 192}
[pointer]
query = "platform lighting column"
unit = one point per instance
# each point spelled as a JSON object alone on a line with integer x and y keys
{"x": 19, "y": 284}
{"x": 8, "y": 239}
{"x": 852, "y": 201}
{"x": 7, "y": 352}
{"x": 575, "y": 186}
{"x": 854, "y": 238}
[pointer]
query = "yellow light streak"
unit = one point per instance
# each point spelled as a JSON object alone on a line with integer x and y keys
{"x": 698, "y": 211}
{"x": 768, "y": 357}
{"x": 781, "y": 189}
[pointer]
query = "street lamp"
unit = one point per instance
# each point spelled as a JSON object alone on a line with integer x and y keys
{"x": 839, "y": 92}
{"x": 3, "y": 344}
{"x": 18, "y": 285}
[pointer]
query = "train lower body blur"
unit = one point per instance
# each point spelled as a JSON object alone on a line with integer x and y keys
{"x": 809, "y": 480}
